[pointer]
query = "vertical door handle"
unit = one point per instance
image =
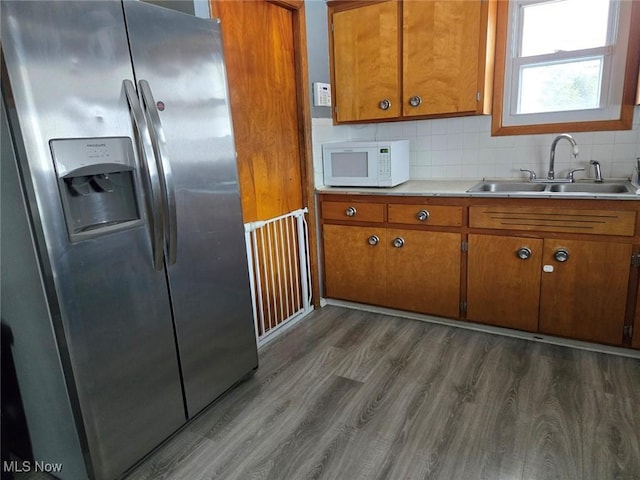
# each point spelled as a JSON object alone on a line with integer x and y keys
{"x": 150, "y": 178}
{"x": 158, "y": 140}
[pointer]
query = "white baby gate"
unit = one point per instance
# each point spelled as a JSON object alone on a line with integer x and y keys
{"x": 278, "y": 254}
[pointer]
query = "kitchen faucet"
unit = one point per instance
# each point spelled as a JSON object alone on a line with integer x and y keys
{"x": 551, "y": 173}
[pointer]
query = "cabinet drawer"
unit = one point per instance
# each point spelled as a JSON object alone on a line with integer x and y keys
{"x": 599, "y": 222}
{"x": 436, "y": 215}
{"x": 358, "y": 212}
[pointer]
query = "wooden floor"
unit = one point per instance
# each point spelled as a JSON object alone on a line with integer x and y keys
{"x": 353, "y": 395}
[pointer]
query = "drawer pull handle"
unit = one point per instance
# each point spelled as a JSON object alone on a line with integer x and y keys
{"x": 561, "y": 255}
{"x": 373, "y": 240}
{"x": 524, "y": 253}
{"x": 423, "y": 215}
{"x": 350, "y": 212}
{"x": 398, "y": 242}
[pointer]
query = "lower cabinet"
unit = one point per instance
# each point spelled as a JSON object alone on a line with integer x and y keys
{"x": 570, "y": 288}
{"x": 423, "y": 272}
{"x": 585, "y": 296}
{"x": 355, "y": 263}
{"x": 554, "y": 267}
{"x": 503, "y": 281}
{"x": 411, "y": 270}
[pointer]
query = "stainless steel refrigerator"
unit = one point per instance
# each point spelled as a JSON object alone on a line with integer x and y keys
{"x": 124, "y": 274}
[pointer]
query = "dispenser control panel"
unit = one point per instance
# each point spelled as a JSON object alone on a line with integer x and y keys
{"x": 72, "y": 154}
{"x": 98, "y": 185}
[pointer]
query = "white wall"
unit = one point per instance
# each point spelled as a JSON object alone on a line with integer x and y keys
{"x": 463, "y": 148}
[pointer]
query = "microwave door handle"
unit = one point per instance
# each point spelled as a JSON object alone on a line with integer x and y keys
{"x": 158, "y": 140}
{"x": 149, "y": 175}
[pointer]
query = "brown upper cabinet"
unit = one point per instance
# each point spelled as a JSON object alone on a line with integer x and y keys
{"x": 408, "y": 59}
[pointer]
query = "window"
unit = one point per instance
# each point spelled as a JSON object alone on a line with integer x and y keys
{"x": 563, "y": 65}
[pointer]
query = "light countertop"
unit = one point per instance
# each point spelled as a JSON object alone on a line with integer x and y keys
{"x": 412, "y": 187}
{"x": 458, "y": 188}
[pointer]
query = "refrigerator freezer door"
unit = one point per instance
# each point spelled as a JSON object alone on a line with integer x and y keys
{"x": 181, "y": 59}
{"x": 66, "y": 62}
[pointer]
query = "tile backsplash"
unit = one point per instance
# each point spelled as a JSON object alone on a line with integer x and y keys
{"x": 463, "y": 148}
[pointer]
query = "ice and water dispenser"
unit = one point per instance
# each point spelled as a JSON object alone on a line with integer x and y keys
{"x": 97, "y": 182}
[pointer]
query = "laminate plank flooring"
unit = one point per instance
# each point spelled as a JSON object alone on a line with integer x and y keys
{"x": 347, "y": 394}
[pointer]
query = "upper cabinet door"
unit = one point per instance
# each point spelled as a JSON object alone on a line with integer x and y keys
{"x": 441, "y": 57}
{"x": 366, "y": 62}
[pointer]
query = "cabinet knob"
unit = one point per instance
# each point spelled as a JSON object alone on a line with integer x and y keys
{"x": 385, "y": 104}
{"x": 373, "y": 240}
{"x": 561, "y": 255}
{"x": 524, "y": 253}
{"x": 415, "y": 101}
{"x": 350, "y": 212}
{"x": 423, "y": 215}
{"x": 398, "y": 242}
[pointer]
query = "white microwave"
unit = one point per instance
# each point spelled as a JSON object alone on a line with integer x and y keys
{"x": 366, "y": 164}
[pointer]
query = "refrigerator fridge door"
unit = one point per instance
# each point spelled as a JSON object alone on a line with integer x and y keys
{"x": 181, "y": 79}
{"x": 65, "y": 63}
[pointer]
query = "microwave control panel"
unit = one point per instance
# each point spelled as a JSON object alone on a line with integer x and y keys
{"x": 384, "y": 162}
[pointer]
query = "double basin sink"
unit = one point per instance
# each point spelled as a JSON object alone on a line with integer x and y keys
{"x": 617, "y": 188}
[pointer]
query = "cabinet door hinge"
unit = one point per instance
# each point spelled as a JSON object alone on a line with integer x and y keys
{"x": 627, "y": 331}
{"x": 332, "y": 28}
{"x": 478, "y": 96}
{"x": 635, "y": 259}
{"x": 464, "y": 246}
{"x": 463, "y": 308}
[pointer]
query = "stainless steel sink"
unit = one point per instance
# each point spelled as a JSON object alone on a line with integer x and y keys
{"x": 513, "y": 187}
{"x": 592, "y": 188}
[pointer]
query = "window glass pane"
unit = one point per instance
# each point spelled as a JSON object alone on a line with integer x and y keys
{"x": 564, "y": 25}
{"x": 558, "y": 87}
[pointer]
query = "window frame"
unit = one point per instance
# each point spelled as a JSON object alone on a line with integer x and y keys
{"x": 623, "y": 121}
